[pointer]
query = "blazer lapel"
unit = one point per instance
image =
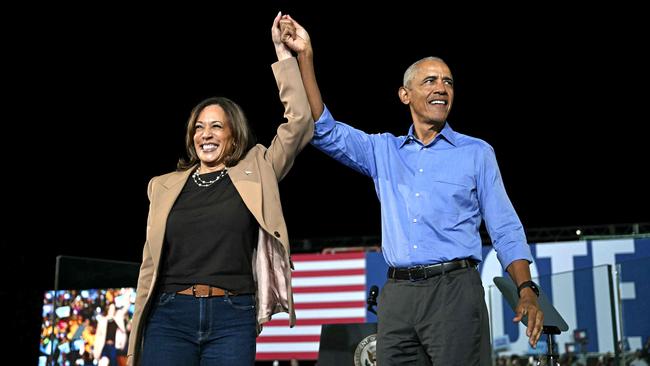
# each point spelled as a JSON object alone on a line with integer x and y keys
{"x": 246, "y": 180}
{"x": 165, "y": 197}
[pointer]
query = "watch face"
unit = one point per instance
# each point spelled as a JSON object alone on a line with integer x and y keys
{"x": 535, "y": 289}
{"x": 532, "y": 285}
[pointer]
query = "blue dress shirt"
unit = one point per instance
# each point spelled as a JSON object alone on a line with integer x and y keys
{"x": 433, "y": 197}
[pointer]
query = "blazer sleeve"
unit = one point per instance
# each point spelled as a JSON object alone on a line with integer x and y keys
{"x": 297, "y": 131}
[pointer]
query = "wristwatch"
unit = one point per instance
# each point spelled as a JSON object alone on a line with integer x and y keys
{"x": 533, "y": 286}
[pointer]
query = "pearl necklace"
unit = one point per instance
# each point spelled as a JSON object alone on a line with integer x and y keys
{"x": 207, "y": 183}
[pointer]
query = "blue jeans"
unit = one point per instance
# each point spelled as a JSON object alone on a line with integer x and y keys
{"x": 184, "y": 330}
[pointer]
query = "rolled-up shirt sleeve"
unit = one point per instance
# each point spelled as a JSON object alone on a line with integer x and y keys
{"x": 325, "y": 123}
{"x": 501, "y": 220}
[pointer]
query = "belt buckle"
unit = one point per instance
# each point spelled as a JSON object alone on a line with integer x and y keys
{"x": 413, "y": 269}
{"x": 201, "y": 293}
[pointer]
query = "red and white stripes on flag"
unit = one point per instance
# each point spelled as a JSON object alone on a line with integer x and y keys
{"x": 327, "y": 288}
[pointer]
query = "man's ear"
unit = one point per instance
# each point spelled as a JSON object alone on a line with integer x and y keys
{"x": 404, "y": 95}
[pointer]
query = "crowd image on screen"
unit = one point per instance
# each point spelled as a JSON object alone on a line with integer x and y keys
{"x": 89, "y": 327}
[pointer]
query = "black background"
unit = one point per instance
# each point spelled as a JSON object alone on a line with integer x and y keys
{"x": 97, "y": 100}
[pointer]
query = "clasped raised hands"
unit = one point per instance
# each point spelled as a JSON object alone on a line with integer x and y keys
{"x": 291, "y": 34}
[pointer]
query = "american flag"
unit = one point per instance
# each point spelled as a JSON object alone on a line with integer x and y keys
{"x": 327, "y": 289}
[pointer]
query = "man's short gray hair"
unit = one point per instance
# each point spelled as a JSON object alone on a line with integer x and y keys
{"x": 408, "y": 74}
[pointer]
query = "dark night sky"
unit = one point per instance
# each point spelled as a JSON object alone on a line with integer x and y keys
{"x": 101, "y": 102}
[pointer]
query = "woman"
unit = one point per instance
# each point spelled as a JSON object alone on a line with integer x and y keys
{"x": 110, "y": 336}
{"x": 217, "y": 246}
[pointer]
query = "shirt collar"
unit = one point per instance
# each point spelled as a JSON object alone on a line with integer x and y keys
{"x": 447, "y": 133}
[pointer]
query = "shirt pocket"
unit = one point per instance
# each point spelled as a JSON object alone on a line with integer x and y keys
{"x": 452, "y": 195}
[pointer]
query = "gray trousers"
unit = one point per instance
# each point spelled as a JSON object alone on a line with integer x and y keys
{"x": 444, "y": 316}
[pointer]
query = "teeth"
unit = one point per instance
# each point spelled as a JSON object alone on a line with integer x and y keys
{"x": 208, "y": 147}
{"x": 438, "y": 102}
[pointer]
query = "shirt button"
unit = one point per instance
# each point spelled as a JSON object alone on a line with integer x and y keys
{"x": 417, "y": 194}
{"x": 415, "y": 247}
{"x": 421, "y": 170}
{"x": 415, "y": 220}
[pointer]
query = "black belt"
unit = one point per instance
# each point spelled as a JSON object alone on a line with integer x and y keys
{"x": 417, "y": 273}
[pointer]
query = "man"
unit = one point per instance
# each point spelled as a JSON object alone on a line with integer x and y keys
{"x": 435, "y": 186}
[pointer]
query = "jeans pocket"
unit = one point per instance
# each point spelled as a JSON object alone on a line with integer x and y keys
{"x": 241, "y": 302}
{"x": 165, "y": 298}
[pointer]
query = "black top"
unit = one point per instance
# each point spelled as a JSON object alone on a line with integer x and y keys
{"x": 209, "y": 239}
{"x": 111, "y": 330}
